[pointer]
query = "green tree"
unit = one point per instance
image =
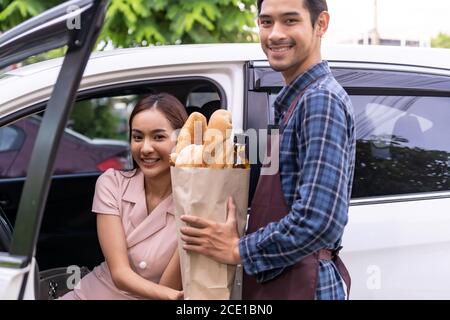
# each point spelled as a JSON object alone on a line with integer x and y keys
{"x": 131, "y": 23}
{"x": 13, "y": 12}
{"x": 95, "y": 119}
{"x": 442, "y": 40}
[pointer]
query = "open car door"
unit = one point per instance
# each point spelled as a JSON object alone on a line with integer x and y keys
{"x": 75, "y": 24}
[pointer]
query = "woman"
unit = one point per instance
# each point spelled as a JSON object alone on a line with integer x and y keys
{"x": 135, "y": 219}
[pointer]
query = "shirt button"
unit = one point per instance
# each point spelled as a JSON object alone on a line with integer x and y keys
{"x": 142, "y": 264}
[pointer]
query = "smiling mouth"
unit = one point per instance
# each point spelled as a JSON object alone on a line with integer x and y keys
{"x": 149, "y": 161}
{"x": 280, "y": 48}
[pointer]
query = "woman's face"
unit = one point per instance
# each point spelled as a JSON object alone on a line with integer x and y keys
{"x": 151, "y": 142}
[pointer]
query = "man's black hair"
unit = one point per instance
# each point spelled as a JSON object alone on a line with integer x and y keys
{"x": 315, "y": 7}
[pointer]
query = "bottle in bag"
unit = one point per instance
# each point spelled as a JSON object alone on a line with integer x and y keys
{"x": 240, "y": 157}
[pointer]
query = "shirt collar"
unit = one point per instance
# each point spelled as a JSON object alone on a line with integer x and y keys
{"x": 135, "y": 191}
{"x": 135, "y": 187}
{"x": 292, "y": 90}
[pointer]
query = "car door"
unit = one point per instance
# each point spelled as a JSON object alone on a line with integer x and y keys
{"x": 396, "y": 243}
{"x": 75, "y": 24}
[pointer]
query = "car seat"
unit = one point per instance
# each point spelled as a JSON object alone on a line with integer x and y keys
{"x": 192, "y": 109}
{"x": 209, "y": 107}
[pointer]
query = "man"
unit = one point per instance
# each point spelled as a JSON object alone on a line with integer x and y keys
{"x": 290, "y": 250}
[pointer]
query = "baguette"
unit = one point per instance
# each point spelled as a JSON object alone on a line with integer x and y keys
{"x": 191, "y": 156}
{"x": 192, "y": 132}
{"x": 201, "y": 145}
{"x": 217, "y": 149}
{"x": 221, "y": 120}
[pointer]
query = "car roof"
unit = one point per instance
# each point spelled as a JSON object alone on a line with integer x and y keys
{"x": 230, "y": 52}
{"x": 43, "y": 75}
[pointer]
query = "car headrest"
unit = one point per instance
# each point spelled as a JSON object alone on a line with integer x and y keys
{"x": 209, "y": 107}
{"x": 192, "y": 109}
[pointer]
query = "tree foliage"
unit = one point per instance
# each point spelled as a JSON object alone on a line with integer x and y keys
{"x": 442, "y": 40}
{"x": 95, "y": 120}
{"x": 132, "y": 23}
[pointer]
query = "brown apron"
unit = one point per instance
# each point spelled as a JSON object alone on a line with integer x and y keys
{"x": 296, "y": 282}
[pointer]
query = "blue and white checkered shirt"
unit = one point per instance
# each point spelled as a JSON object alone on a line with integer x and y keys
{"x": 317, "y": 155}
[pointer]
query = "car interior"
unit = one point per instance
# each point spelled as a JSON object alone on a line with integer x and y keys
{"x": 5, "y": 232}
{"x": 68, "y": 231}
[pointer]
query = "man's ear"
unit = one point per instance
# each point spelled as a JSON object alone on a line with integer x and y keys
{"x": 322, "y": 23}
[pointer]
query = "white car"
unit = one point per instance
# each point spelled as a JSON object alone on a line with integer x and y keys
{"x": 397, "y": 241}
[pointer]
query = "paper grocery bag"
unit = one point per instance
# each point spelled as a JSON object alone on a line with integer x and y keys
{"x": 204, "y": 192}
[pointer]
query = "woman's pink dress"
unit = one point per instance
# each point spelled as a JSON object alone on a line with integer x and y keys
{"x": 151, "y": 238}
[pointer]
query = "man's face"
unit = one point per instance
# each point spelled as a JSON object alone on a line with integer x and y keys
{"x": 287, "y": 37}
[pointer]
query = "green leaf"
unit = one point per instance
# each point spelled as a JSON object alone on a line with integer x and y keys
{"x": 442, "y": 40}
{"x": 9, "y": 10}
{"x": 129, "y": 23}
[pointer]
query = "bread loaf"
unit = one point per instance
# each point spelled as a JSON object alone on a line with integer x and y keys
{"x": 201, "y": 145}
{"x": 217, "y": 151}
{"x": 221, "y": 120}
{"x": 190, "y": 156}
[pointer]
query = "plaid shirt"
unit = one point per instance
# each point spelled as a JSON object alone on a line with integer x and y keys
{"x": 317, "y": 155}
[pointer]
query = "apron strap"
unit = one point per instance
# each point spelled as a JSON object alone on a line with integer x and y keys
{"x": 287, "y": 116}
{"x": 291, "y": 109}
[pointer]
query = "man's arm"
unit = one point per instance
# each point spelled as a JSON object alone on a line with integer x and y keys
{"x": 319, "y": 213}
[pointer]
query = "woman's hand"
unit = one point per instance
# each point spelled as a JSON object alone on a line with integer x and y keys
{"x": 173, "y": 294}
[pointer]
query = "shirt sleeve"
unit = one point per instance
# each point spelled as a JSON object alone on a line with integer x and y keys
{"x": 319, "y": 214}
{"x": 106, "y": 199}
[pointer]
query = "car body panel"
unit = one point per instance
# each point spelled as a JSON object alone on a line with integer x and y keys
{"x": 399, "y": 250}
{"x": 136, "y": 64}
{"x": 11, "y": 281}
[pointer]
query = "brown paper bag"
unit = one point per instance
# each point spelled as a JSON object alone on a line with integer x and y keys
{"x": 204, "y": 192}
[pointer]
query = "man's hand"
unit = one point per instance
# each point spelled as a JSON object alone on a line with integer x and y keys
{"x": 219, "y": 241}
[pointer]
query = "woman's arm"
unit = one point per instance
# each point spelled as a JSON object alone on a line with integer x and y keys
{"x": 113, "y": 243}
{"x": 171, "y": 277}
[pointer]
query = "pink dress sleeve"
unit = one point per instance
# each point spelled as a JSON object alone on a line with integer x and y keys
{"x": 106, "y": 197}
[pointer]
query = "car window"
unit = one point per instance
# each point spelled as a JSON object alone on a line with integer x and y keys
{"x": 94, "y": 140}
{"x": 403, "y": 145}
{"x": 103, "y": 118}
{"x": 11, "y": 138}
{"x": 204, "y": 99}
{"x": 96, "y": 135}
{"x": 201, "y": 98}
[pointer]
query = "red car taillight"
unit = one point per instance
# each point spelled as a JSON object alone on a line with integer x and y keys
{"x": 115, "y": 163}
